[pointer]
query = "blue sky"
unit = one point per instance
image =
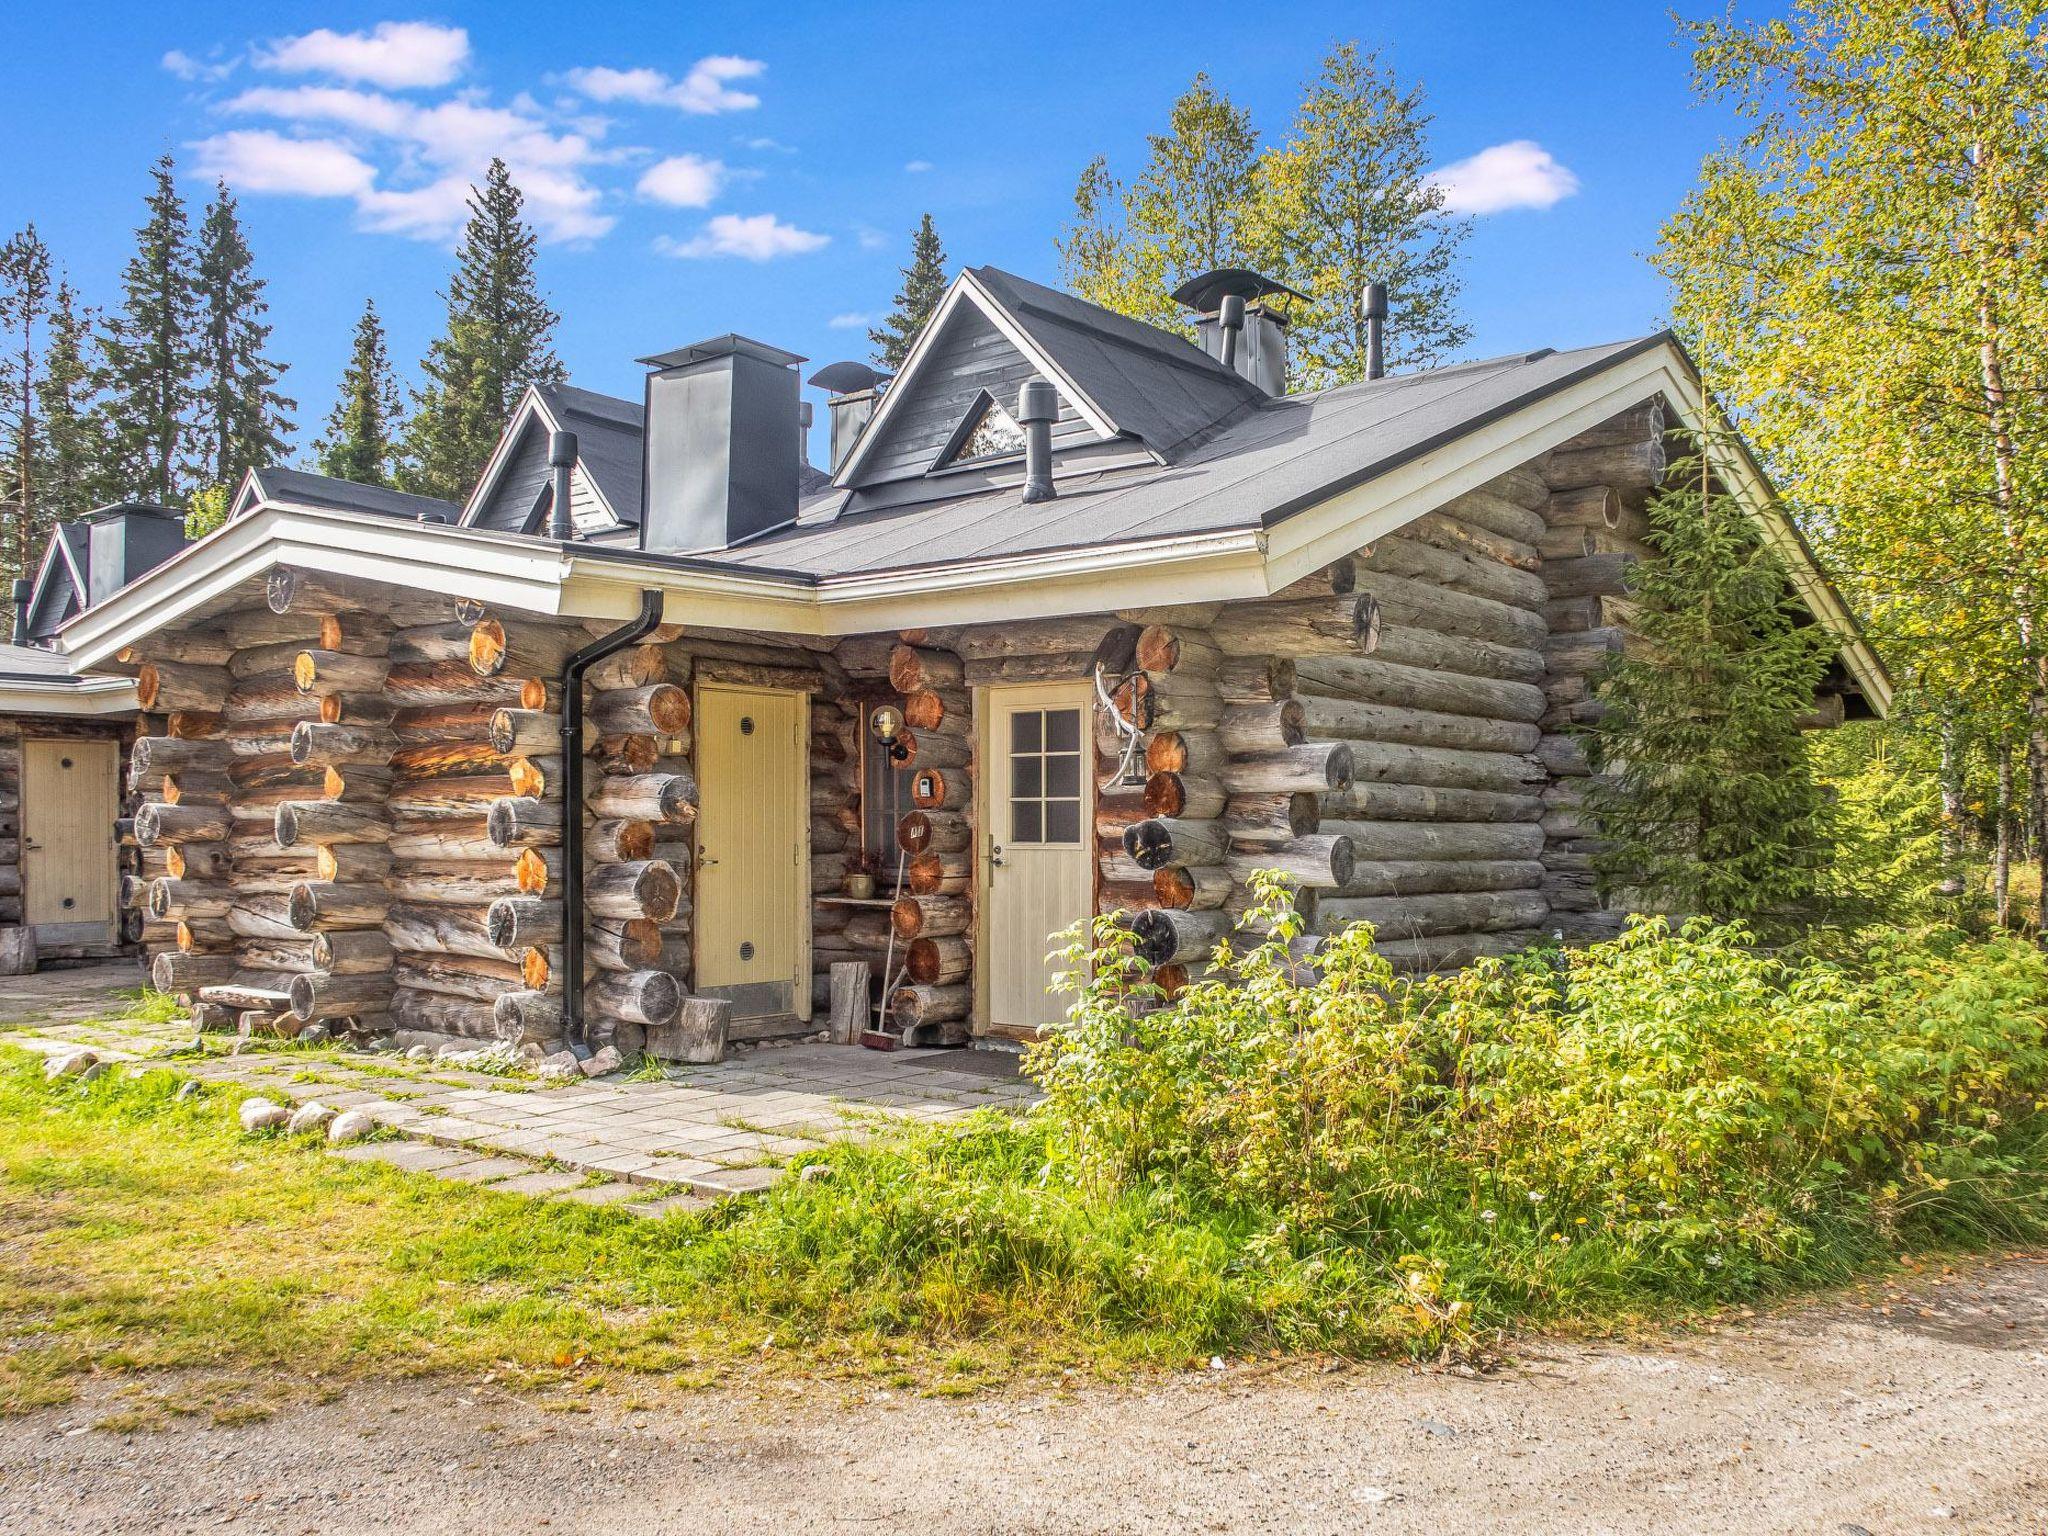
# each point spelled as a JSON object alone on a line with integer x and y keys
{"x": 704, "y": 168}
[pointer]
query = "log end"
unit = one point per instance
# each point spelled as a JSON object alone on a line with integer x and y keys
{"x": 1150, "y": 844}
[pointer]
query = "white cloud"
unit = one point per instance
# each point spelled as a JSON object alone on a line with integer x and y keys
{"x": 852, "y": 320}
{"x": 440, "y": 149}
{"x": 395, "y": 54}
{"x": 752, "y": 237}
{"x": 257, "y": 160}
{"x": 871, "y": 239}
{"x": 186, "y": 67}
{"x": 918, "y": 167}
{"x": 683, "y": 181}
{"x": 705, "y": 89}
{"x": 768, "y": 144}
{"x": 1520, "y": 174}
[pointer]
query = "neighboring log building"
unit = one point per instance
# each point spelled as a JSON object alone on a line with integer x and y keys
{"x": 1084, "y": 620}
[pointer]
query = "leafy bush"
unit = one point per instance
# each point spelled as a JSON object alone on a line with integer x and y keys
{"x": 1671, "y": 1116}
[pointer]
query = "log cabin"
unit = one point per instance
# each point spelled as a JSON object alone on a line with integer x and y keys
{"x": 668, "y": 740}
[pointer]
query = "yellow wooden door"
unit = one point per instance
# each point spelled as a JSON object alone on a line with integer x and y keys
{"x": 752, "y": 900}
{"x": 1038, "y": 817}
{"x": 68, "y": 805}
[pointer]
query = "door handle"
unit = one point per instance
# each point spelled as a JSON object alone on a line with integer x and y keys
{"x": 995, "y": 855}
{"x": 705, "y": 861}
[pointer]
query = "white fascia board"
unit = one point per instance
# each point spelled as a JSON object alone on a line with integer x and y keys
{"x": 503, "y": 570}
{"x": 85, "y": 697}
{"x": 966, "y": 289}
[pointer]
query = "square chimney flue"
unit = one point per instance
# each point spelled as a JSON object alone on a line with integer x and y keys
{"x": 719, "y": 465}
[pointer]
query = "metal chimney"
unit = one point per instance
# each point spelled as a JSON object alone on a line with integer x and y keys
{"x": 855, "y": 390}
{"x": 24, "y": 589}
{"x": 1375, "y": 330}
{"x": 561, "y": 468}
{"x": 1237, "y": 329}
{"x": 716, "y": 466}
{"x": 1038, "y": 407}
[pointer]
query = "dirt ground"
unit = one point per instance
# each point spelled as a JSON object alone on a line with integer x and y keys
{"x": 1916, "y": 1406}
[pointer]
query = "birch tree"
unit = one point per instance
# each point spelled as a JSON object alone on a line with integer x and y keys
{"x": 1864, "y": 278}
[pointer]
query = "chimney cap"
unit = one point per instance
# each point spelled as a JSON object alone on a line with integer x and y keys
{"x": 848, "y": 378}
{"x": 1205, "y": 292}
{"x": 1375, "y": 300}
{"x": 1037, "y": 401}
{"x": 728, "y": 345}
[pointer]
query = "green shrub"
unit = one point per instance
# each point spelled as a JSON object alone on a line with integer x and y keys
{"x": 1673, "y": 1115}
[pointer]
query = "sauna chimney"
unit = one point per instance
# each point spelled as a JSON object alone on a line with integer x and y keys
{"x": 1375, "y": 330}
{"x": 717, "y": 467}
{"x": 855, "y": 390}
{"x": 1238, "y": 324}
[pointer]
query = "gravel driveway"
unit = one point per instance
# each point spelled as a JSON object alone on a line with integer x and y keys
{"x": 1921, "y": 1406}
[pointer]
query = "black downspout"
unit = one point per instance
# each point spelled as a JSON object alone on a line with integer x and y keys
{"x": 572, "y": 795}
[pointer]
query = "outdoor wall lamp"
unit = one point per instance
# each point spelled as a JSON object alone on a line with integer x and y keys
{"x": 886, "y": 721}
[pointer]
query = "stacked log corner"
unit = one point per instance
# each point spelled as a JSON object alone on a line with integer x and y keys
{"x": 930, "y": 987}
{"x": 639, "y": 812}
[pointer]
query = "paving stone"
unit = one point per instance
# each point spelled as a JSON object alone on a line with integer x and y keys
{"x": 544, "y": 1182}
{"x": 668, "y": 1205}
{"x": 413, "y": 1156}
{"x": 484, "y": 1170}
{"x": 604, "y": 1194}
{"x": 736, "y": 1181}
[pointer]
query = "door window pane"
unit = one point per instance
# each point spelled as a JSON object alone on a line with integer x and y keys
{"x": 1045, "y": 776}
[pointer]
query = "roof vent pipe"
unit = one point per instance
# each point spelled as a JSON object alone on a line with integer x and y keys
{"x": 1037, "y": 409}
{"x": 24, "y": 589}
{"x": 561, "y": 460}
{"x": 1375, "y": 330}
{"x": 1230, "y": 321}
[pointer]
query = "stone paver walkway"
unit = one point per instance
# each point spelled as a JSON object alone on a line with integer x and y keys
{"x": 652, "y": 1146}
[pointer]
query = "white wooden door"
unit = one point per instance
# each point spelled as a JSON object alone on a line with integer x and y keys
{"x": 751, "y": 904}
{"x": 1039, "y": 819}
{"x": 68, "y": 806}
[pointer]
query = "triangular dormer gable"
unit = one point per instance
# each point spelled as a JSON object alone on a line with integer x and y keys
{"x": 61, "y": 585}
{"x": 249, "y": 495}
{"x": 1116, "y": 379}
{"x": 516, "y": 487}
{"x": 987, "y": 434}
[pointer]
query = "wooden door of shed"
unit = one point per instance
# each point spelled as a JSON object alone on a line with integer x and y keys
{"x": 752, "y": 902}
{"x": 69, "y": 801}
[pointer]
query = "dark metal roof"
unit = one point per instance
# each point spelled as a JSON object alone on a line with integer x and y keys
{"x": 728, "y": 345}
{"x": 1273, "y": 460}
{"x": 1160, "y": 388}
{"x": 1206, "y": 291}
{"x": 277, "y": 484}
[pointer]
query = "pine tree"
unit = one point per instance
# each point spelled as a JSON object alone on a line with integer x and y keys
{"x": 1346, "y": 201}
{"x": 362, "y": 432}
{"x": 924, "y": 284}
{"x": 147, "y": 351}
{"x": 242, "y": 420}
{"x": 1192, "y": 209}
{"x": 1709, "y": 804}
{"x": 75, "y": 433}
{"x": 498, "y": 341}
{"x": 24, "y": 303}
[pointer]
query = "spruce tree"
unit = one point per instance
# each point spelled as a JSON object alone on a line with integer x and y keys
{"x": 361, "y": 439}
{"x": 924, "y": 284}
{"x": 147, "y": 351}
{"x": 1708, "y": 802}
{"x": 242, "y": 420}
{"x": 24, "y": 302}
{"x": 498, "y": 341}
{"x": 75, "y": 467}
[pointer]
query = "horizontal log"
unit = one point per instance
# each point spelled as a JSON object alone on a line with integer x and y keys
{"x": 650, "y": 889}
{"x": 939, "y": 962}
{"x": 1455, "y": 570}
{"x": 320, "y": 821}
{"x": 933, "y": 750}
{"x": 1255, "y": 679}
{"x": 1197, "y": 888}
{"x": 352, "y": 954}
{"x": 1314, "y": 766}
{"x": 933, "y": 831}
{"x": 915, "y": 669}
{"x": 1349, "y": 720}
{"x": 634, "y": 944}
{"x": 1418, "y": 604}
{"x": 465, "y": 976}
{"x": 168, "y": 685}
{"x": 937, "y": 874}
{"x": 916, "y": 1007}
{"x": 930, "y": 916}
{"x": 523, "y": 1015}
{"x": 1259, "y": 728}
{"x": 452, "y": 840}
{"x": 206, "y": 647}
{"x": 332, "y": 997}
{"x": 1183, "y": 796}
{"x": 933, "y": 709}
{"x": 421, "y": 684}
{"x": 1632, "y": 469}
{"x": 515, "y": 922}
{"x": 1200, "y": 753}
{"x": 1428, "y": 877}
{"x": 1444, "y": 767}
{"x": 338, "y": 672}
{"x": 468, "y": 1019}
{"x": 1415, "y": 917}
{"x": 170, "y": 898}
{"x": 426, "y": 929}
{"x": 521, "y": 649}
{"x": 465, "y": 884}
{"x": 1451, "y": 951}
{"x": 316, "y": 905}
{"x": 1328, "y": 626}
{"x": 1166, "y": 935}
{"x": 1416, "y": 646}
{"x": 637, "y": 997}
{"x": 156, "y": 755}
{"x": 635, "y": 667}
{"x": 1263, "y": 820}
{"x": 1592, "y": 575}
{"x": 1372, "y": 800}
{"x": 1377, "y": 840}
{"x": 198, "y": 861}
{"x": 1375, "y": 680}
{"x": 315, "y": 744}
{"x": 1447, "y": 532}
{"x": 660, "y": 709}
{"x": 1157, "y": 842}
{"x": 159, "y": 825}
{"x": 183, "y": 974}
{"x": 521, "y": 822}
{"x": 618, "y": 841}
{"x": 663, "y": 797}
{"x": 1321, "y": 861}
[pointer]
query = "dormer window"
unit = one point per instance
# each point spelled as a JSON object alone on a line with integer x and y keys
{"x": 986, "y": 435}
